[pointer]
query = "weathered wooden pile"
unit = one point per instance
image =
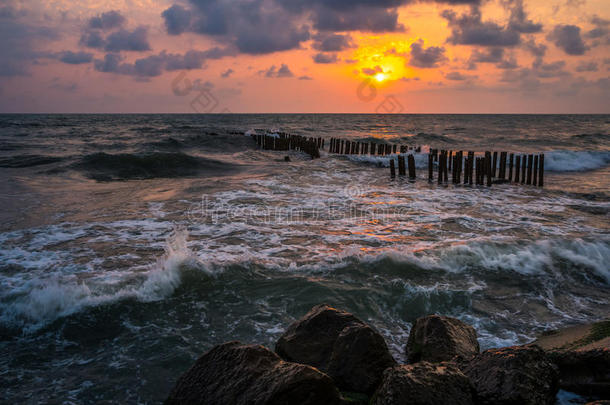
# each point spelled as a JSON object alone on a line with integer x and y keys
{"x": 283, "y": 142}
{"x": 486, "y": 169}
{"x": 347, "y": 147}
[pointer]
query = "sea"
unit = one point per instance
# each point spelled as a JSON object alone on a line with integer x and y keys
{"x": 131, "y": 244}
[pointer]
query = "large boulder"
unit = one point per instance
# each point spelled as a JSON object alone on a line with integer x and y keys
{"x": 424, "y": 383}
{"x": 234, "y": 373}
{"x": 513, "y": 375}
{"x": 339, "y": 344}
{"x": 582, "y": 353}
{"x": 359, "y": 357}
{"x": 586, "y": 372}
{"x": 436, "y": 338}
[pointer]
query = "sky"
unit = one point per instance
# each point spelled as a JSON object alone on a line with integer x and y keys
{"x": 309, "y": 56}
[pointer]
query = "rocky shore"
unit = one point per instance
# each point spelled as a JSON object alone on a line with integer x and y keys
{"x": 331, "y": 357}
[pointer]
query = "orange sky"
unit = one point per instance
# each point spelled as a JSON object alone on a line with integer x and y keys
{"x": 426, "y": 56}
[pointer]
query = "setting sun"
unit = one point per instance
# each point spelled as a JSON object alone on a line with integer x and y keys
{"x": 380, "y": 77}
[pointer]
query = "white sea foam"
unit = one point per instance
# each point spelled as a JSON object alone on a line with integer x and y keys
{"x": 575, "y": 161}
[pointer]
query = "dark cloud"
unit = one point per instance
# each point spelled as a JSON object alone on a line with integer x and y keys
{"x": 469, "y": 29}
{"x": 257, "y": 27}
{"x": 457, "y": 76}
{"x": 535, "y": 49}
{"x": 426, "y": 57}
{"x": 372, "y": 71}
{"x": 123, "y": 40}
{"x": 75, "y": 58}
{"x": 155, "y": 65}
{"x": 325, "y": 57}
{"x": 274, "y": 72}
{"x": 177, "y": 19}
{"x": 108, "y": 20}
{"x": 553, "y": 69}
{"x": 587, "y": 67}
{"x": 518, "y": 20}
{"x": 227, "y": 73}
{"x": 491, "y": 55}
{"x": 360, "y": 18}
{"x": 567, "y": 38}
{"x": 20, "y": 38}
{"x": 330, "y": 42}
{"x": 92, "y": 39}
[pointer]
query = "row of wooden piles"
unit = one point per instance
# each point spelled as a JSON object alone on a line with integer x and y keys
{"x": 346, "y": 147}
{"x": 487, "y": 169}
{"x": 284, "y": 142}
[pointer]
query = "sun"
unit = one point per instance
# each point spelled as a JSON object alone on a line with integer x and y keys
{"x": 380, "y": 77}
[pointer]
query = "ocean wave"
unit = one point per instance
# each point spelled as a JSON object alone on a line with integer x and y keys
{"x": 33, "y": 304}
{"x": 21, "y": 161}
{"x": 107, "y": 167}
{"x": 575, "y": 161}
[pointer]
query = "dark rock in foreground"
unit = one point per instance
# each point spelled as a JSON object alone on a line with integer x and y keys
{"x": 340, "y": 344}
{"x": 424, "y": 383}
{"x": 359, "y": 357}
{"x": 234, "y": 373}
{"x": 586, "y": 372}
{"x": 582, "y": 354}
{"x": 513, "y": 375}
{"x": 437, "y": 338}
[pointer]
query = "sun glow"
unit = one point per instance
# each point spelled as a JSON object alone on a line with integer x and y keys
{"x": 381, "y": 60}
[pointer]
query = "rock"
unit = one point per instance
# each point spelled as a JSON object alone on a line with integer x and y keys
{"x": 599, "y": 402}
{"x": 337, "y": 343}
{"x": 234, "y": 373}
{"x": 424, "y": 383}
{"x": 585, "y": 372}
{"x": 582, "y": 354}
{"x": 359, "y": 357}
{"x": 513, "y": 375}
{"x": 437, "y": 338}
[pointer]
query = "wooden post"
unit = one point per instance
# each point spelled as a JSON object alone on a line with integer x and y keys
{"x": 510, "y": 167}
{"x": 394, "y": 148}
{"x": 445, "y": 167}
{"x": 488, "y": 167}
{"x": 517, "y": 167}
{"x": 523, "y": 168}
{"x": 478, "y": 171}
{"x": 411, "y": 160}
{"x": 430, "y": 167}
{"x": 470, "y": 166}
{"x": 392, "y": 168}
{"x": 401, "y": 166}
{"x": 373, "y": 146}
{"x": 441, "y": 169}
{"x": 541, "y": 171}
{"x": 502, "y": 173}
{"x": 530, "y": 163}
{"x": 535, "y": 171}
{"x": 450, "y": 160}
{"x": 494, "y": 164}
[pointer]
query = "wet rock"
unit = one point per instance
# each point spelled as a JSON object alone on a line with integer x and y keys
{"x": 437, "y": 338}
{"x": 582, "y": 353}
{"x": 513, "y": 375}
{"x": 359, "y": 357}
{"x": 337, "y": 343}
{"x": 424, "y": 383}
{"x": 234, "y": 373}
{"x": 586, "y": 372}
